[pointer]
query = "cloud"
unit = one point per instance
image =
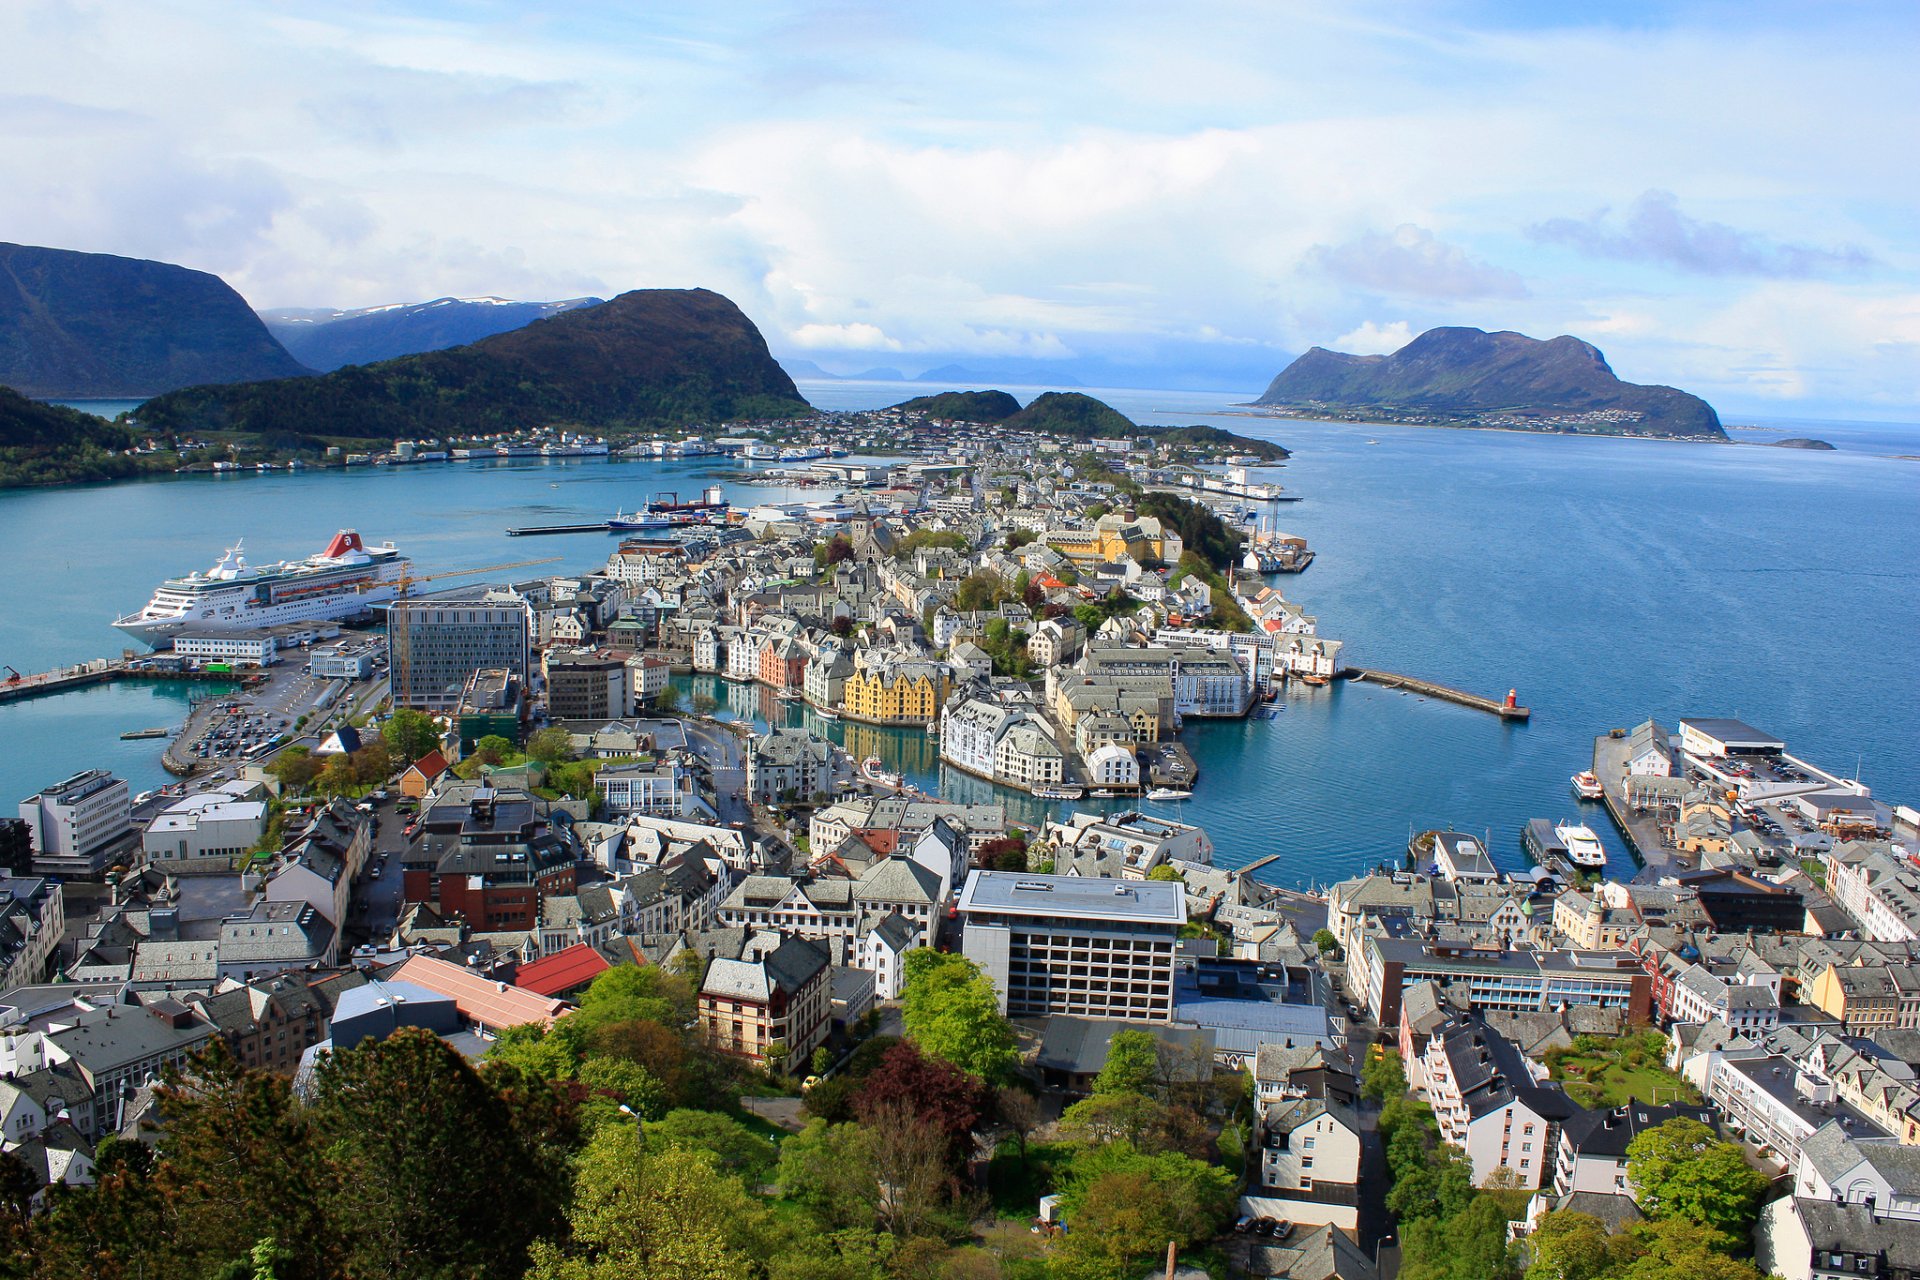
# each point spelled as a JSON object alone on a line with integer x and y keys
{"x": 1413, "y": 261}
{"x": 843, "y": 337}
{"x": 1372, "y": 339}
{"x": 1655, "y": 230}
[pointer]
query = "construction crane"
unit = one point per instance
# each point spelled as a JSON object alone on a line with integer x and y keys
{"x": 404, "y": 584}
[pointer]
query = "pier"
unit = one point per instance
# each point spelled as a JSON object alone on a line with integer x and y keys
{"x": 534, "y": 529}
{"x": 1506, "y": 710}
{"x": 103, "y": 671}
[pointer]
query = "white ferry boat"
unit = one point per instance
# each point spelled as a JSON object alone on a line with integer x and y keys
{"x": 1584, "y": 849}
{"x": 344, "y": 581}
{"x": 1587, "y": 786}
{"x": 1169, "y": 794}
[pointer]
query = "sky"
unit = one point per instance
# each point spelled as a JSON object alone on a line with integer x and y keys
{"x": 1722, "y": 197}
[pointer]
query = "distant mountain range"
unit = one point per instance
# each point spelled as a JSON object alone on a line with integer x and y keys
{"x": 649, "y": 356}
{"x": 92, "y": 325}
{"x": 1470, "y": 378}
{"x": 327, "y": 339}
{"x": 809, "y": 370}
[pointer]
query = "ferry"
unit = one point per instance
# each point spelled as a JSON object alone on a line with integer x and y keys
{"x": 638, "y": 522}
{"x": 1587, "y": 786}
{"x": 344, "y": 581}
{"x": 1584, "y": 849}
{"x": 1169, "y": 793}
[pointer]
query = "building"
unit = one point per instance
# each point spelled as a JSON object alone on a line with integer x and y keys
{"x": 1716, "y": 739}
{"x": 76, "y": 824}
{"x": 1125, "y": 845}
{"x": 489, "y": 706}
{"x": 1483, "y": 976}
{"x": 209, "y": 827}
{"x": 585, "y": 684}
{"x": 1069, "y": 944}
{"x": 434, "y": 643}
{"x": 661, "y": 788}
{"x": 1592, "y": 1156}
{"x": 1879, "y": 892}
{"x": 1488, "y": 1103}
{"x": 789, "y": 764}
{"x": 895, "y": 692}
{"x": 1775, "y": 1102}
{"x": 339, "y": 662}
{"x": 236, "y": 648}
{"x": 772, "y": 1006}
{"x": 488, "y": 1005}
{"x": 1309, "y": 1153}
{"x": 271, "y": 937}
{"x": 491, "y": 857}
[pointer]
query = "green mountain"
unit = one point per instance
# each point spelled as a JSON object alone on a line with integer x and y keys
{"x": 51, "y": 444}
{"x": 327, "y": 340}
{"x": 649, "y": 356}
{"x": 1070, "y": 413}
{"x": 1468, "y": 377}
{"x": 964, "y": 406}
{"x": 94, "y": 325}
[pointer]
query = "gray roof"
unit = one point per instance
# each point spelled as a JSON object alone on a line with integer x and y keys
{"x": 1160, "y": 902}
{"x": 1079, "y": 1046}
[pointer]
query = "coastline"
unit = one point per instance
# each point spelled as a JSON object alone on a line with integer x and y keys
{"x": 1246, "y": 411}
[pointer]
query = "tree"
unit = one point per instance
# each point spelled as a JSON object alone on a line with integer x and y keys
{"x": 296, "y": 767}
{"x": 643, "y": 1213}
{"x": 830, "y": 1169}
{"x": 841, "y": 626}
{"x": 912, "y": 1165}
{"x": 1089, "y": 617}
{"x": 1681, "y": 1170}
{"x": 1675, "y": 1249}
{"x": 550, "y": 746}
{"x": 1575, "y": 1246}
{"x": 1019, "y": 1111}
{"x": 239, "y": 1153}
{"x": 410, "y": 734}
{"x": 949, "y": 1008}
{"x": 1324, "y": 940}
{"x": 1383, "y": 1077}
{"x": 337, "y": 777}
{"x": 662, "y": 1050}
{"x": 735, "y": 1148}
{"x": 629, "y": 992}
{"x": 937, "y": 1095}
{"x": 1167, "y": 872}
{"x": 616, "y": 1082}
{"x": 1132, "y": 1066}
{"x": 372, "y": 763}
{"x": 1122, "y": 1206}
{"x": 418, "y": 1141}
{"x": 668, "y": 699}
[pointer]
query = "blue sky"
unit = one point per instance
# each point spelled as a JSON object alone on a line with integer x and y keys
{"x": 1722, "y": 197}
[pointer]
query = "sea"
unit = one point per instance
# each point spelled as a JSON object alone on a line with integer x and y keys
{"x": 1603, "y": 580}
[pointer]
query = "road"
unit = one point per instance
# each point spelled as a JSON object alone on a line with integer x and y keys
{"x": 727, "y": 763}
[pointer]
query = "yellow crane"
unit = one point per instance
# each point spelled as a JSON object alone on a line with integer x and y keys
{"x": 404, "y": 583}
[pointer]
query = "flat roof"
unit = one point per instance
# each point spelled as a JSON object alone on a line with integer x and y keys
{"x": 1019, "y": 893}
{"x": 1731, "y": 733}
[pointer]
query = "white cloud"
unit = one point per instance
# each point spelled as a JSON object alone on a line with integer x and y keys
{"x": 1413, "y": 262}
{"x": 1372, "y": 339}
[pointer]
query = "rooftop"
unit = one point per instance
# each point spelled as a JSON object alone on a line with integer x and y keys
{"x": 1020, "y": 893}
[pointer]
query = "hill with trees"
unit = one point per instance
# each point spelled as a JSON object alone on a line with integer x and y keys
{"x": 1471, "y": 378}
{"x": 1071, "y": 415}
{"x": 326, "y": 339}
{"x": 94, "y": 325}
{"x": 652, "y": 356}
{"x": 964, "y": 406}
{"x": 51, "y": 444}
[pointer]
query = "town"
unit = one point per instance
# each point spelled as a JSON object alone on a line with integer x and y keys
{"x": 577, "y": 832}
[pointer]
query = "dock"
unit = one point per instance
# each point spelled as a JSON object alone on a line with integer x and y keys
{"x": 535, "y": 529}
{"x": 1641, "y": 831}
{"x": 1509, "y": 709}
{"x": 104, "y": 671}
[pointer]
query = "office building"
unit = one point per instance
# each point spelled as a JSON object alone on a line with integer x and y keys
{"x": 585, "y": 684}
{"x": 78, "y": 823}
{"x": 435, "y": 643}
{"x": 1075, "y": 945}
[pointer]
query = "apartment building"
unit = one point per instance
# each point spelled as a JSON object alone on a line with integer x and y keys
{"x": 1492, "y": 977}
{"x": 586, "y": 684}
{"x": 76, "y": 823}
{"x": 1879, "y": 892}
{"x": 777, "y": 993}
{"x": 435, "y": 643}
{"x": 1068, "y": 944}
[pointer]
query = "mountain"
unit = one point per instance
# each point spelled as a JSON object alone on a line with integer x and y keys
{"x": 91, "y": 325}
{"x": 649, "y": 356}
{"x": 808, "y": 369}
{"x": 964, "y": 406}
{"x": 1069, "y": 413}
{"x": 52, "y": 444}
{"x": 1019, "y": 372}
{"x": 1468, "y": 377}
{"x": 327, "y": 340}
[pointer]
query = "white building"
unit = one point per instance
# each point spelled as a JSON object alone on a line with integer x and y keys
{"x": 659, "y": 789}
{"x": 1114, "y": 766}
{"x": 221, "y": 824}
{"x": 80, "y": 818}
{"x": 337, "y": 662}
{"x": 1880, "y": 892}
{"x": 240, "y": 648}
{"x": 1069, "y": 944}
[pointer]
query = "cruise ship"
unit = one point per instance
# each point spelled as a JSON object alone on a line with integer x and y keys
{"x": 344, "y": 581}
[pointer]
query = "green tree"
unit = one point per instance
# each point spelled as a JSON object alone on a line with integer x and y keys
{"x": 295, "y": 767}
{"x": 1324, "y": 940}
{"x": 1168, "y": 872}
{"x": 1132, "y": 1066}
{"x": 615, "y": 1082}
{"x": 829, "y": 1168}
{"x": 628, "y": 992}
{"x": 1681, "y": 1170}
{"x": 492, "y": 749}
{"x": 667, "y": 700}
{"x": 647, "y": 1213}
{"x": 1089, "y": 616}
{"x": 735, "y": 1148}
{"x": 1675, "y": 1249}
{"x": 949, "y": 1008}
{"x": 1122, "y": 1207}
{"x": 417, "y": 1141}
{"x": 1575, "y": 1246}
{"x": 1383, "y": 1077}
{"x": 410, "y": 734}
{"x": 550, "y": 746}
{"x": 338, "y": 777}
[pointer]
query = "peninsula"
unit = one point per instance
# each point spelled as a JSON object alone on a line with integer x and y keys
{"x": 1461, "y": 377}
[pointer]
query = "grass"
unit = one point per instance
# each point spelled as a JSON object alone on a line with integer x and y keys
{"x": 1599, "y": 1071}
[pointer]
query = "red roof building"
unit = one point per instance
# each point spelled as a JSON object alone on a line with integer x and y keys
{"x": 563, "y": 972}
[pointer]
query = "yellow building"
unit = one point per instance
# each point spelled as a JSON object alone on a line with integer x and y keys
{"x": 1143, "y": 538}
{"x": 910, "y": 693}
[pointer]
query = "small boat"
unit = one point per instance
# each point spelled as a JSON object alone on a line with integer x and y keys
{"x": 1583, "y": 847}
{"x": 826, "y": 713}
{"x": 1587, "y": 786}
{"x": 1057, "y": 793}
{"x": 1104, "y": 793}
{"x": 788, "y": 695}
{"x": 1373, "y": 442}
{"x": 1169, "y": 793}
{"x": 135, "y": 735}
{"x": 1315, "y": 681}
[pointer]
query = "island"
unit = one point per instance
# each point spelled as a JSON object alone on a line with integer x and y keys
{"x": 1463, "y": 377}
{"x": 1801, "y": 442}
{"x": 1072, "y": 415}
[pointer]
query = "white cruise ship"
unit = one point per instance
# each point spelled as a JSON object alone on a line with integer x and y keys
{"x": 344, "y": 581}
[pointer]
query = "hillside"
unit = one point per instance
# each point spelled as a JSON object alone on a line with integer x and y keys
{"x": 1069, "y": 413}
{"x": 649, "y": 356}
{"x": 964, "y": 406}
{"x": 1468, "y": 377}
{"x": 328, "y": 340}
{"x": 51, "y": 444}
{"x": 80, "y": 325}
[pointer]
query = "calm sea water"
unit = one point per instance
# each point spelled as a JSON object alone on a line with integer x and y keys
{"x": 1605, "y": 580}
